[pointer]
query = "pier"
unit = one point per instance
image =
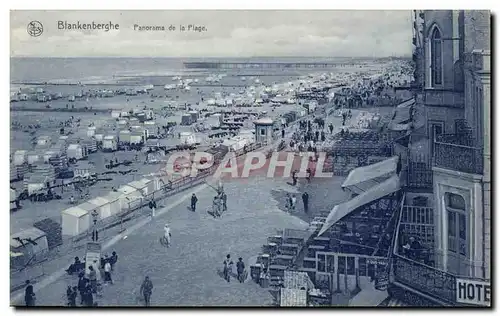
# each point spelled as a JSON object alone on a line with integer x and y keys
{"x": 265, "y": 65}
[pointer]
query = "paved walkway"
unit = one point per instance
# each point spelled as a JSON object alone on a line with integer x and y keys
{"x": 186, "y": 274}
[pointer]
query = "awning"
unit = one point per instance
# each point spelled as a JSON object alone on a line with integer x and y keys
{"x": 340, "y": 211}
{"x": 362, "y": 179}
{"x": 402, "y": 111}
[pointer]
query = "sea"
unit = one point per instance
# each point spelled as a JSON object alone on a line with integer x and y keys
{"x": 27, "y": 69}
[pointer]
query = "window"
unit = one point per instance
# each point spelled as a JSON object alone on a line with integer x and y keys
{"x": 262, "y": 132}
{"x": 436, "y": 57}
{"x": 457, "y": 224}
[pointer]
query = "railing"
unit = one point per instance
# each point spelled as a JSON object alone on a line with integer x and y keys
{"x": 421, "y": 277}
{"x": 456, "y": 152}
{"x": 441, "y": 97}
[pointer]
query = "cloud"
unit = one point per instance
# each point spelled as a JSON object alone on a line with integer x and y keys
{"x": 229, "y": 33}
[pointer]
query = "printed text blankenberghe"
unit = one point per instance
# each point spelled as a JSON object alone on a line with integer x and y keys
{"x": 65, "y": 25}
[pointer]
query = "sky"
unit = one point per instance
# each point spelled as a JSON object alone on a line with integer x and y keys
{"x": 228, "y": 34}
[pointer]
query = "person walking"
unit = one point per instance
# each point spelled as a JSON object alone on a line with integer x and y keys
{"x": 29, "y": 294}
{"x": 294, "y": 202}
{"x": 194, "y": 200}
{"x": 167, "y": 235}
{"x": 240, "y": 269}
{"x": 146, "y": 290}
{"x": 93, "y": 279}
{"x": 82, "y": 284}
{"x": 113, "y": 259}
{"x": 228, "y": 267}
{"x": 305, "y": 200}
{"x": 152, "y": 206}
{"x": 107, "y": 271}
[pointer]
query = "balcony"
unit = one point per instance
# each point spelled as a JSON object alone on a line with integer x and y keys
{"x": 442, "y": 97}
{"x": 415, "y": 267}
{"x": 457, "y": 152}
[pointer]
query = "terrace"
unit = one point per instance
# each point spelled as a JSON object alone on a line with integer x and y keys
{"x": 457, "y": 152}
{"x": 414, "y": 263}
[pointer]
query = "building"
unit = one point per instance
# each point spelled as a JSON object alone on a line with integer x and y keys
{"x": 264, "y": 130}
{"x": 450, "y": 215}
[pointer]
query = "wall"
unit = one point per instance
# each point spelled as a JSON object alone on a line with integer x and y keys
{"x": 477, "y": 29}
{"x": 444, "y": 21}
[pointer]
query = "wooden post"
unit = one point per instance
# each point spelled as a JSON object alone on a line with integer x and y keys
{"x": 345, "y": 276}
{"x": 356, "y": 271}
{"x": 337, "y": 271}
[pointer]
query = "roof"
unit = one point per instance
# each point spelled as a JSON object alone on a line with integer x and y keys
{"x": 402, "y": 111}
{"x": 75, "y": 211}
{"x": 113, "y": 196}
{"x": 33, "y": 233}
{"x": 126, "y": 189}
{"x": 264, "y": 121}
{"x": 109, "y": 137}
{"x": 370, "y": 172}
{"x": 37, "y": 179}
{"x": 137, "y": 184}
{"x": 340, "y": 211}
{"x": 73, "y": 146}
{"x": 98, "y": 201}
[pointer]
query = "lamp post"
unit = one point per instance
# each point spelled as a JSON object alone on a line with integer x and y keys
{"x": 95, "y": 233}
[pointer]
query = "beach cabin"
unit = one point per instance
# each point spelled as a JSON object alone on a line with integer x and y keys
{"x": 90, "y": 143}
{"x": 48, "y": 154}
{"x": 264, "y": 130}
{"x": 146, "y": 186}
{"x": 124, "y": 136}
{"x": 194, "y": 116}
{"x": 44, "y": 170}
{"x": 122, "y": 124}
{"x": 20, "y": 157}
{"x": 149, "y": 114}
{"x": 186, "y": 119}
{"x": 33, "y": 157}
{"x": 99, "y": 136}
{"x": 43, "y": 141}
{"x": 35, "y": 184}
{"x": 151, "y": 127}
{"x": 22, "y": 170}
{"x": 188, "y": 138}
{"x": 124, "y": 113}
{"x": 109, "y": 143}
{"x": 76, "y": 152}
{"x": 136, "y": 137}
{"x": 103, "y": 207}
{"x": 131, "y": 198}
{"x": 91, "y": 131}
{"x": 114, "y": 200}
{"x": 134, "y": 121}
{"x": 116, "y": 113}
{"x": 84, "y": 169}
{"x": 30, "y": 252}
{"x": 13, "y": 173}
{"x": 75, "y": 221}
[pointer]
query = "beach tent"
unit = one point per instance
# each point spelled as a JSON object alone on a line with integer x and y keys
{"x": 361, "y": 179}
{"x": 131, "y": 197}
{"x": 146, "y": 186}
{"x": 380, "y": 190}
{"x": 74, "y": 221}
{"x": 29, "y": 251}
{"x": 114, "y": 200}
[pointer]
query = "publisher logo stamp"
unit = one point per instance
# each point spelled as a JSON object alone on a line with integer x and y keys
{"x": 35, "y": 28}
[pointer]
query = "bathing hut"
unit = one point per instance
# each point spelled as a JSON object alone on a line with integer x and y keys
{"x": 103, "y": 207}
{"x": 194, "y": 116}
{"x": 13, "y": 173}
{"x": 116, "y": 113}
{"x": 76, "y": 151}
{"x": 131, "y": 198}
{"x": 74, "y": 221}
{"x": 31, "y": 252}
{"x": 264, "y": 130}
{"x": 90, "y": 143}
{"x": 146, "y": 186}
{"x": 99, "y": 136}
{"x": 188, "y": 138}
{"x": 35, "y": 183}
{"x": 124, "y": 136}
{"x": 44, "y": 170}
{"x": 133, "y": 121}
{"x": 33, "y": 157}
{"x": 84, "y": 169}
{"x": 150, "y": 126}
{"x": 109, "y": 143}
{"x": 122, "y": 124}
{"x": 115, "y": 203}
{"x": 137, "y": 137}
{"x": 20, "y": 157}
{"x": 22, "y": 170}
{"x": 124, "y": 113}
{"x": 43, "y": 141}
{"x": 186, "y": 119}
{"x": 91, "y": 131}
